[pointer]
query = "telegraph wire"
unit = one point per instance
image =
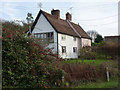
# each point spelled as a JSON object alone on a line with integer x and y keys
{"x": 101, "y": 24}
{"x": 96, "y": 19}
{"x": 33, "y": 8}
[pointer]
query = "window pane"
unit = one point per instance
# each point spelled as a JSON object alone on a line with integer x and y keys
{"x": 63, "y": 49}
{"x": 41, "y": 35}
{"x": 48, "y": 35}
{"x": 45, "y": 35}
{"x": 38, "y": 35}
{"x": 74, "y": 49}
{"x": 51, "y": 34}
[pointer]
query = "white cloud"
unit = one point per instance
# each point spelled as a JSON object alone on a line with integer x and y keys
{"x": 94, "y": 12}
{"x": 17, "y": 11}
{"x": 102, "y": 17}
{"x": 8, "y": 11}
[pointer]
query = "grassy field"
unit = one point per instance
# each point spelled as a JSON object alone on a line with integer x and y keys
{"x": 110, "y": 84}
{"x": 85, "y": 61}
{"x": 94, "y": 62}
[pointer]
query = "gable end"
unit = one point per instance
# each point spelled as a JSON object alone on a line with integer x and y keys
{"x": 37, "y": 18}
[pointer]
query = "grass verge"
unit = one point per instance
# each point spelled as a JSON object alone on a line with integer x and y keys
{"x": 110, "y": 84}
{"x": 96, "y": 62}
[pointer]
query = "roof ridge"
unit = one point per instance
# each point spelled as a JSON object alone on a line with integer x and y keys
{"x": 73, "y": 28}
{"x": 54, "y": 17}
{"x": 84, "y": 31}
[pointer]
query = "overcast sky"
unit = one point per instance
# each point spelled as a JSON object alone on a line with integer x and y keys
{"x": 99, "y": 15}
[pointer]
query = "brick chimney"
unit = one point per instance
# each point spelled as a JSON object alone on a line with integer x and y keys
{"x": 68, "y": 16}
{"x": 56, "y": 13}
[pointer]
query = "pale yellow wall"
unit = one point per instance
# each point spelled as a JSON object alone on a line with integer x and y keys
{"x": 86, "y": 42}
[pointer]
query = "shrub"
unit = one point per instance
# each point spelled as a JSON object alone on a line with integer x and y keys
{"x": 77, "y": 71}
{"x": 100, "y": 51}
{"x": 110, "y": 51}
{"x": 87, "y": 53}
{"x": 26, "y": 63}
{"x": 87, "y": 72}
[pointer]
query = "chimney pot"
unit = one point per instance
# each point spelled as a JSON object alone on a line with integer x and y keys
{"x": 56, "y": 13}
{"x": 68, "y": 16}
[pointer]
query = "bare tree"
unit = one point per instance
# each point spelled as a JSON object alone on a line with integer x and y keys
{"x": 30, "y": 21}
{"x": 92, "y": 34}
{"x": 29, "y": 18}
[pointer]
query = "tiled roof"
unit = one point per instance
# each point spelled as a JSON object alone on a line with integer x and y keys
{"x": 80, "y": 30}
{"x": 62, "y": 26}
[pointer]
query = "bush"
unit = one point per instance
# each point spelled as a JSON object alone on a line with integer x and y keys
{"x": 26, "y": 63}
{"x": 101, "y": 51}
{"x": 87, "y": 53}
{"x": 75, "y": 72}
{"x": 83, "y": 73}
{"x": 110, "y": 51}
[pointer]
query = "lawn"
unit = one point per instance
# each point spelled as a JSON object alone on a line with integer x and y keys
{"x": 96, "y": 62}
{"x": 85, "y": 61}
{"x": 110, "y": 84}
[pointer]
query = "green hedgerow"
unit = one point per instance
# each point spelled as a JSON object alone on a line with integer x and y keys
{"x": 26, "y": 63}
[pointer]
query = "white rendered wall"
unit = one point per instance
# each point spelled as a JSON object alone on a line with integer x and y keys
{"x": 69, "y": 43}
{"x": 43, "y": 26}
{"x": 86, "y": 42}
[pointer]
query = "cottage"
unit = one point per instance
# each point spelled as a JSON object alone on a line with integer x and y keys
{"x": 64, "y": 36}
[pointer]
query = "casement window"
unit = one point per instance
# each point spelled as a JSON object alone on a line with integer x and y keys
{"x": 63, "y": 49}
{"x": 46, "y": 36}
{"x": 50, "y": 36}
{"x": 74, "y": 38}
{"x": 75, "y": 49}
